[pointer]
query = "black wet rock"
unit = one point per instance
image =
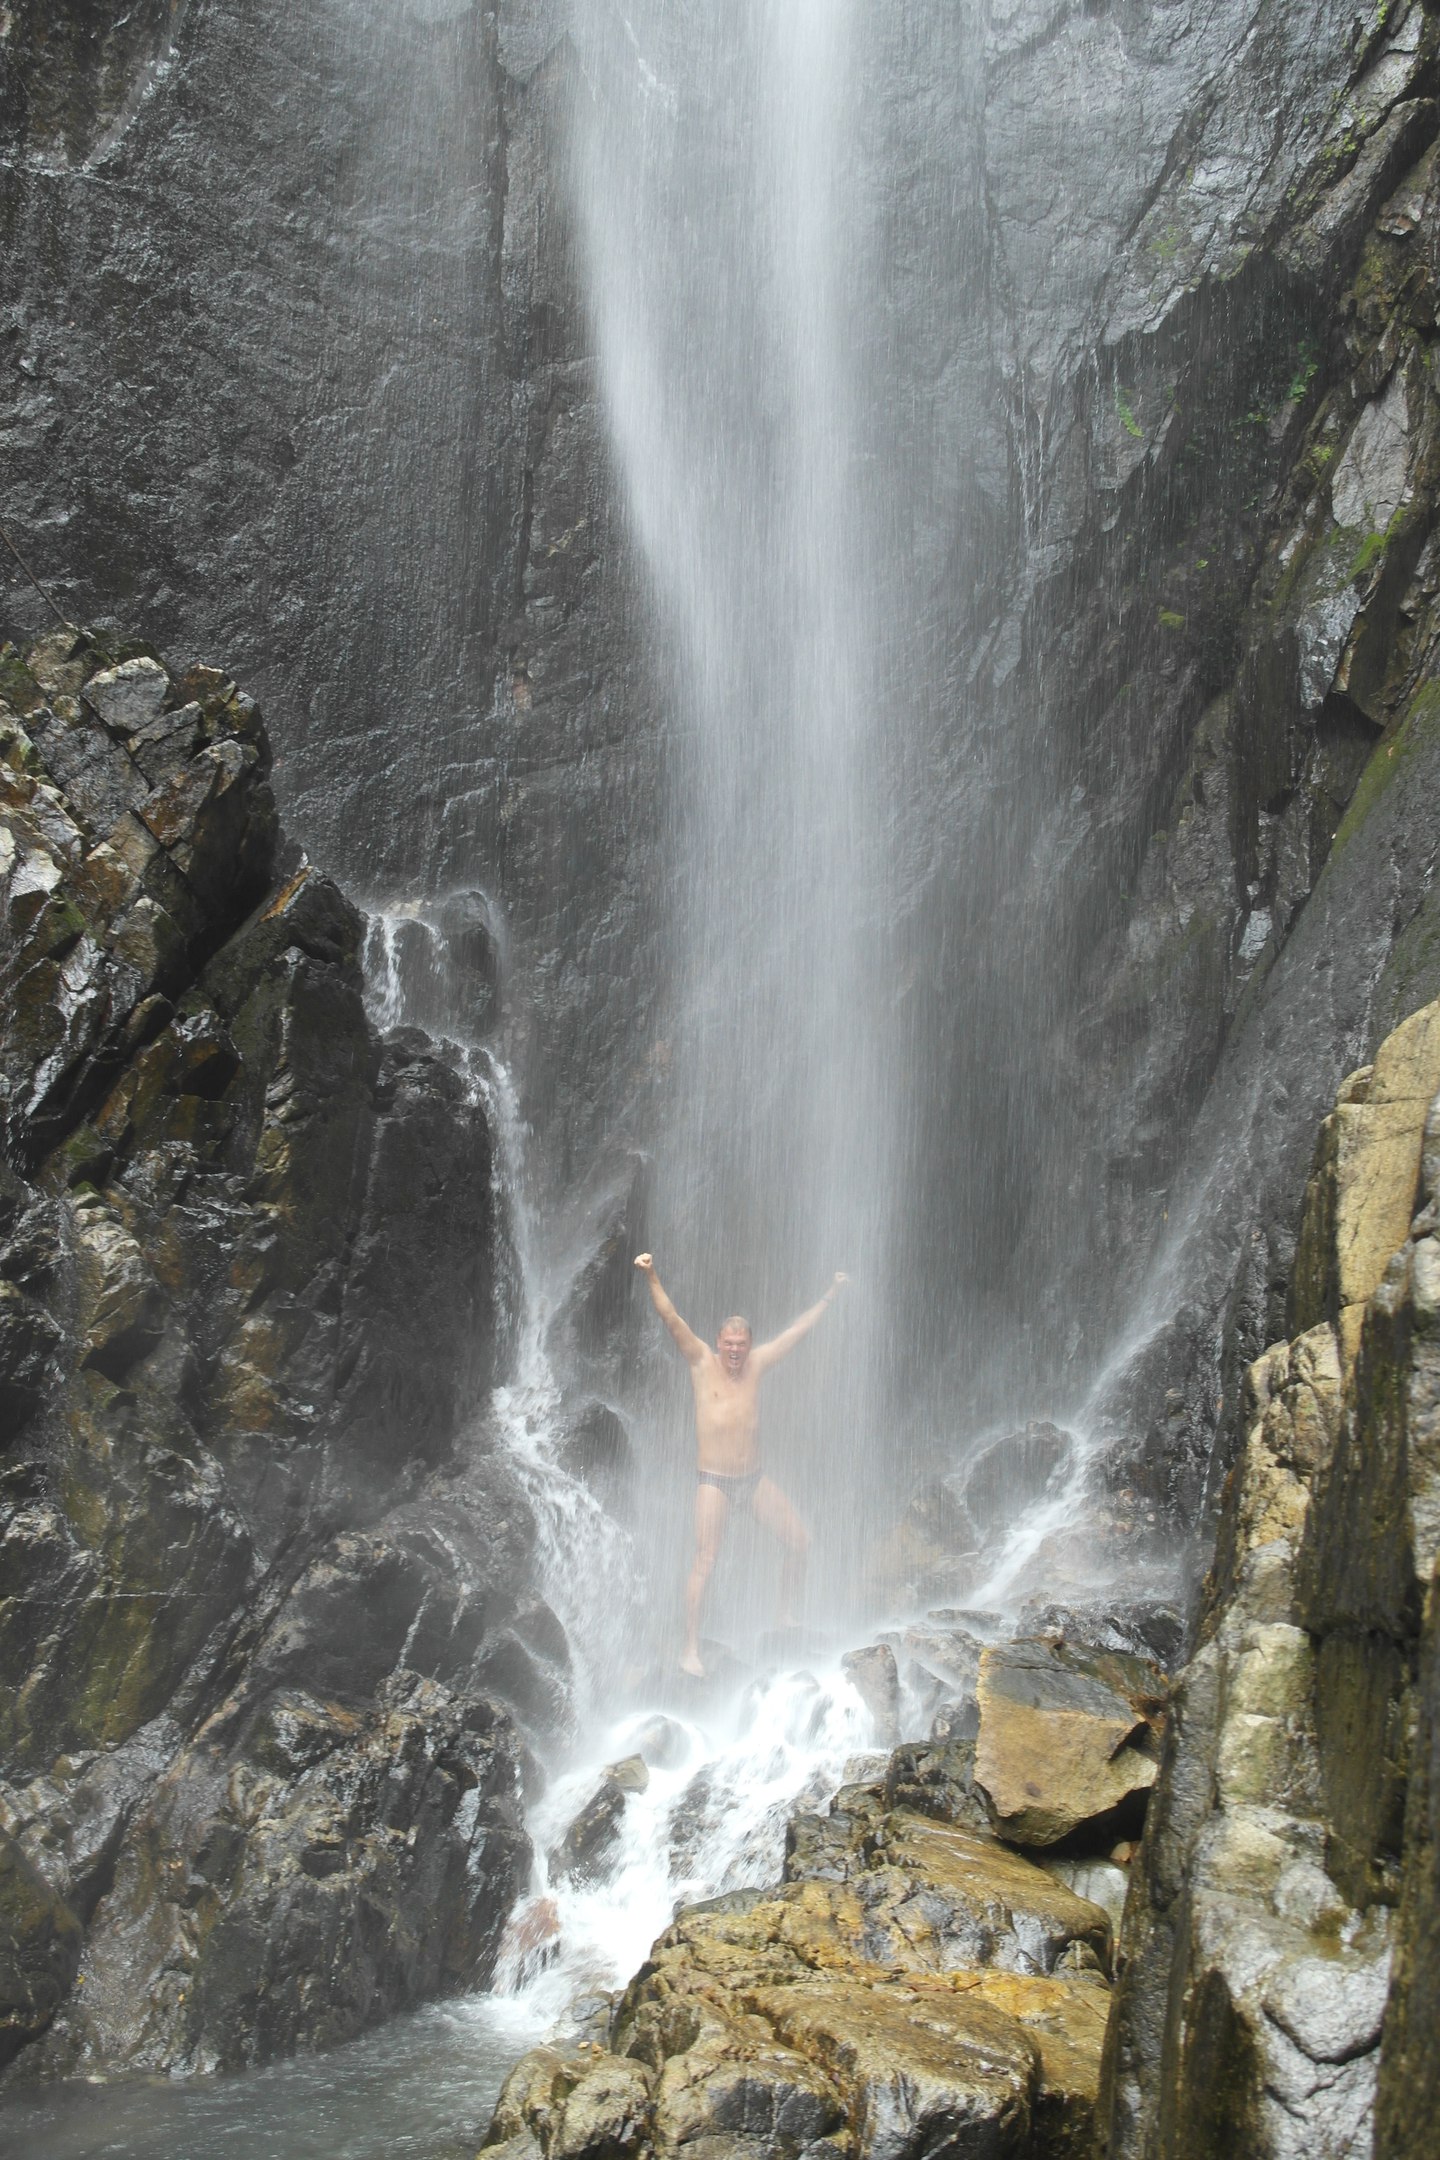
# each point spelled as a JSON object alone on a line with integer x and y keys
{"x": 599, "y": 1323}
{"x": 29, "y": 1335}
{"x": 582, "y": 1851}
{"x": 248, "y": 1257}
{"x": 1013, "y": 1473}
{"x": 830, "y": 1847}
{"x": 937, "y": 1778}
{"x": 298, "y": 1872}
{"x": 596, "y": 1447}
{"x": 1153, "y": 1628}
{"x": 40, "y": 1942}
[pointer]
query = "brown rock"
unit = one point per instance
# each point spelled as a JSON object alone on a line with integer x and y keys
{"x": 1066, "y": 1741}
{"x": 917, "y": 2072}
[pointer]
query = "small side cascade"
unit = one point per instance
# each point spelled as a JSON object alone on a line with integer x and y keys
{"x": 427, "y": 963}
{"x": 587, "y": 1563}
{"x": 436, "y": 964}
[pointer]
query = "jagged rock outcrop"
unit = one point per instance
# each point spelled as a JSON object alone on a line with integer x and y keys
{"x": 912, "y": 1983}
{"x": 262, "y": 1577}
{"x": 1294, "y": 1810}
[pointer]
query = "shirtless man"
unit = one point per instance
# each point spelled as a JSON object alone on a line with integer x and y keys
{"x": 726, "y": 1381}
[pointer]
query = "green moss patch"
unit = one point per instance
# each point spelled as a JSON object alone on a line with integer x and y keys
{"x": 1418, "y": 730}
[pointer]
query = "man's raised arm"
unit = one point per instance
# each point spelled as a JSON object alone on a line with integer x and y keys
{"x": 690, "y": 1346}
{"x": 766, "y": 1354}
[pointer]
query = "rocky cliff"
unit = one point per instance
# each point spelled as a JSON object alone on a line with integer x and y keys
{"x": 291, "y": 337}
{"x": 1277, "y": 1963}
{"x": 264, "y": 1578}
{"x": 1271, "y": 916}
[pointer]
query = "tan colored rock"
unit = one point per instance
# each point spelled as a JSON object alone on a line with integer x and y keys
{"x": 738, "y": 2079}
{"x": 603, "y": 2109}
{"x": 918, "y": 2072}
{"x": 1256, "y": 1941}
{"x": 1066, "y": 2019}
{"x": 1061, "y": 1745}
{"x": 935, "y": 1897}
{"x": 1294, "y": 1396}
{"x": 1363, "y": 1193}
{"x": 912, "y": 2006}
{"x": 998, "y": 1908}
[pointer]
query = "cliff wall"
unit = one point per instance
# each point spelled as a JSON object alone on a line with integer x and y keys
{"x": 1277, "y": 1963}
{"x": 263, "y": 1575}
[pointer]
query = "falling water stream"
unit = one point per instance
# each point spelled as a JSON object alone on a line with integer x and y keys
{"x": 729, "y": 195}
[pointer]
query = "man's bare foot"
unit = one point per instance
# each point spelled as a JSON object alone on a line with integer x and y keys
{"x": 691, "y": 1664}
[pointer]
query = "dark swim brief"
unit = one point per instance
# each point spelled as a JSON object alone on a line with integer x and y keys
{"x": 734, "y": 1488}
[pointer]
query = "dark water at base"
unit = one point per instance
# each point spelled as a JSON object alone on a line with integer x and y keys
{"x": 422, "y": 2087}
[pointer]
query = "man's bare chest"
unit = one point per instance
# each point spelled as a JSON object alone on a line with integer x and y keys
{"x": 724, "y": 1402}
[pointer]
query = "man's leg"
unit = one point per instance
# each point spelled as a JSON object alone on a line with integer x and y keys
{"x": 711, "y": 1509}
{"x": 774, "y": 1513}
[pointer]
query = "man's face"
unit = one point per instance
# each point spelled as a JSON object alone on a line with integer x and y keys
{"x": 733, "y": 1345}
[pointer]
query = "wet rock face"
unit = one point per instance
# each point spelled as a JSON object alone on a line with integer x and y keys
{"x": 258, "y": 1562}
{"x": 1288, "y": 1860}
{"x": 1015, "y": 1472}
{"x": 39, "y": 1950}
{"x": 1282, "y": 910}
{"x": 383, "y": 495}
{"x": 243, "y": 1918}
{"x": 71, "y": 70}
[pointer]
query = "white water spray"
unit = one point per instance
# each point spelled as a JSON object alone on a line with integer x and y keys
{"x": 585, "y": 1561}
{"x": 711, "y": 1819}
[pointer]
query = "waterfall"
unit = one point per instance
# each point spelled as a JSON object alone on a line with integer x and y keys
{"x": 750, "y": 186}
{"x": 720, "y": 213}
{"x": 725, "y": 1780}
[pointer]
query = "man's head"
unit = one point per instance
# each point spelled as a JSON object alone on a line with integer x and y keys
{"x": 733, "y": 1343}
